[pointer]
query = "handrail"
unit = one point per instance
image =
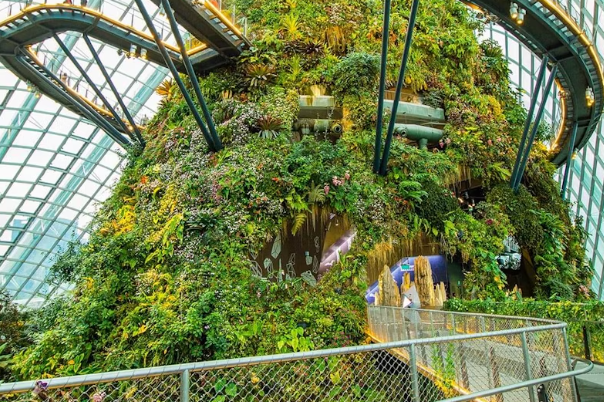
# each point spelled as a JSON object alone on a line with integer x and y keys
{"x": 73, "y": 92}
{"x": 578, "y": 31}
{"x": 520, "y": 385}
{"x": 98, "y": 15}
{"x": 250, "y": 361}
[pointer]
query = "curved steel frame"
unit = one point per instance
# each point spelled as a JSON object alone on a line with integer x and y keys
{"x": 549, "y": 30}
{"x": 37, "y": 23}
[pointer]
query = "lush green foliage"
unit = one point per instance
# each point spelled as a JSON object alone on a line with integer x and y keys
{"x": 166, "y": 276}
{"x": 13, "y": 335}
{"x": 577, "y": 315}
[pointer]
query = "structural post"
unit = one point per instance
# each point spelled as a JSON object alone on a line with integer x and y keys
{"x": 184, "y": 386}
{"x": 535, "y": 128}
{"x": 569, "y": 159}
{"x": 86, "y": 109}
{"x": 191, "y": 73}
{"x": 399, "y": 88}
{"x": 528, "y": 365}
{"x": 569, "y": 364}
{"x": 380, "y": 113}
{"x": 116, "y": 93}
{"x": 175, "y": 74}
{"x": 529, "y": 118}
{"x": 414, "y": 374}
{"x": 96, "y": 90}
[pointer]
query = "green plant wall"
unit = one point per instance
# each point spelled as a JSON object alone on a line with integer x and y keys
{"x": 166, "y": 275}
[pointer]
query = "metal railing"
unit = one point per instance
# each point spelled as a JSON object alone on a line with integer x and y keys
{"x": 456, "y": 355}
{"x": 483, "y": 357}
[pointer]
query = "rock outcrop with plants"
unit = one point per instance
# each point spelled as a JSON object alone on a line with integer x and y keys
{"x": 167, "y": 277}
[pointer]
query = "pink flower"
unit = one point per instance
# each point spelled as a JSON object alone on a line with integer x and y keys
{"x": 326, "y": 189}
{"x": 489, "y": 221}
{"x": 498, "y": 139}
{"x": 98, "y": 397}
{"x": 448, "y": 141}
{"x": 489, "y": 142}
{"x": 347, "y": 176}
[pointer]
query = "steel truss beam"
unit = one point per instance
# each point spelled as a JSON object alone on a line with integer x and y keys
{"x": 91, "y": 114}
{"x": 116, "y": 93}
{"x": 149, "y": 22}
{"x": 97, "y": 91}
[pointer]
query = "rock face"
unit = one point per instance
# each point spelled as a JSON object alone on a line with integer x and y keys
{"x": 388, "y": 289}
{"x": 406, "y": 282}
{"x": 424, "y": 281}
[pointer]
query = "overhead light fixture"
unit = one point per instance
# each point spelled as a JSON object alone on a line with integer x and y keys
{"x": 133, "y": 50}
{"x": 574, "y": 155}
{"x": 29, "y": 87}
{"x": 162, "y": 12}
{"x": 521, "y": 14}
{"x": 514, "y": 11}
{"x": 517, "y": 13}
{"x": 37, "y": 95}
{"x": 590, "y": 97}
{"x": 143, "y": 53}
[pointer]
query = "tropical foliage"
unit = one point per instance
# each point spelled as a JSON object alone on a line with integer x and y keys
{"x": 166, "y": 275}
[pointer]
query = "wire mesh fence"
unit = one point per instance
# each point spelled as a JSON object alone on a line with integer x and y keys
{"x": 503, "y": 352}
{"x": 426, "y": 356}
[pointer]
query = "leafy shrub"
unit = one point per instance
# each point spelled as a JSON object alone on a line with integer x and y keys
{"x": 357, "y": 72}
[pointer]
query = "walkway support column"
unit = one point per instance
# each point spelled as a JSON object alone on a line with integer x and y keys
{"x": 399, "y": 88}
{"x": 170, "y": 64}
{"x": 384, "y": 62}
{"x": 535, "y": 128}
{"x": 191, "y": 73}
{"x": 529, "y": 119}
{"x": 569, "y": 159}
{"x": 116, "y": 93}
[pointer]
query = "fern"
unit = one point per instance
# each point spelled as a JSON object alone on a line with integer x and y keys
{"x": 499, "y": 172}
{"x": 316, "y": 194}
{"x": 299, "y": 220}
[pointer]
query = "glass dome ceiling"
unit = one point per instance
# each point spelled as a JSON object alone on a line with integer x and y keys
{"x": 56, "y": 166}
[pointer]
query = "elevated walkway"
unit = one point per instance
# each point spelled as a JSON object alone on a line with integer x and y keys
{"x": 497, "y": 353}
{"x": 549, "y": 29}
{"x": 207, "y": 23}
{"x": 35, "y": 24}
{"x": 421, "y": 356}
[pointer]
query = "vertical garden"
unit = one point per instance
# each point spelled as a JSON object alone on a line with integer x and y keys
{"x": 167, "y": 275}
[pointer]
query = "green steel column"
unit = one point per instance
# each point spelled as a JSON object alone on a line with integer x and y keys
{"x": 116, "y": 93}
{"x": 399, "y": 87}
{"x": 380, "y": 114}
{"x": 529, "y": 119}
{"x": 191, "y": 73}
{"x": 175, "y": 74}
{"x": 569, "y": 159}
{"x": 535, "y": 128}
